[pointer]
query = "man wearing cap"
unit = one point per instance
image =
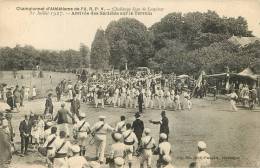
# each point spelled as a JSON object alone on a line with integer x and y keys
{"x": 202, "y": 158}
{"x": 49, "y": 144}
{"x": 167, "y": 161}
{"x": 130, "y": 140}
{"x": 75, "y": 106}
{"x": 81, "y": 130}
{"x": 117, "y": 150}
{"x": 164, "y": 148}
{"x": 62, "y": 118}
{"x": 61, "y": 147}
{"x": 48, "y": 105}
{"x": 99, "y": 131}
{"x": 138, "y": 127}
{"x": 147, "y": 145}
{"x": 121, "y": 126}
{"x": 164, "y": 124}
{"x": 76, "y": 161}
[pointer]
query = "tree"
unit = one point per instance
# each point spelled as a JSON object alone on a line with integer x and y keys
{"x": 129, "y": 41}
{"x": 100, "y": 54}
{"x": 85, "y": 55}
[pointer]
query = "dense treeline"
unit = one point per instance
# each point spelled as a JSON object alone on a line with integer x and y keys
{"x": 180, "y": 43}
{"x": 27, "y": 57}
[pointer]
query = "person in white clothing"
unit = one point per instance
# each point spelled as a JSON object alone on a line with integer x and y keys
{"x": 121, "y": 126}
{"x": 49, "y": 144}
{"x": 61, "y": 147}
{"x": 34, "y": 93}
{"x": 147, "y": 144}
{"x": 202, "y": 158}
{"x": 81, "y": 130}
{"x": 129, "y": 102}
{"x": 130, "y": 141}
{"x": 76, "y": 161}
{"x": 117, "y": 150}
{"x": 164, "y": 148}
{"x": 148, "y": 98}
{"x": 119, "y": 162}
{"x": 233, "y": 97}
{"x": 167, "y": 161}
{"x": 99, "y": 131}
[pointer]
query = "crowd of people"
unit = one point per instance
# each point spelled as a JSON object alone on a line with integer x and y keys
{"x": 67, "y": 149}
{"x": 50, "y": 133}
{"x": 147, "y": 91}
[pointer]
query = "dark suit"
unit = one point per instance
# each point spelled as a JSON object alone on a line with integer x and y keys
{"x": 62, "y": 116}
{"x": 140, "y": 102}
{"x": 74, "y": 107}
{"x": 138, "y": 128}
{"x": 25, "y": 131}
{"x": 164, "y": 126}
{"x": 58, "y": 92}
{"x": 48, "y": 106}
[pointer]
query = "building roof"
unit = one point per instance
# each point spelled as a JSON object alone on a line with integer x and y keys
{"x": 248, "y": 73}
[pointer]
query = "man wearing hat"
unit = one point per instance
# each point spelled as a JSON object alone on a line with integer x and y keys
{"x": 61, "y": 146}
{"x": 138, "y": 127}
{"x": 49, "y": 144}
{"x": 75, "y": 106}
{"x": 81, "y": 130}
{"x": 48, "y": 105}
{"x": 99, "y": 131}
{"x": 167, "y": 161}
{"x": 164, "y": 124}
{"x": 202, "y": 158}
{"x": 164, "y": 148}
{"x": 130, "y": 140}
{"x": 25, "y": 131}
{"x": 76, "y": 161}
{"x": 147, "y": 145}
{"x": 117, "y": 150}
{"x": 62, "y": 118}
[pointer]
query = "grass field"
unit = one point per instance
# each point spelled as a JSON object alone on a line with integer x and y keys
{"x": 232, "y": 137}
{"x": 43, "y": 85}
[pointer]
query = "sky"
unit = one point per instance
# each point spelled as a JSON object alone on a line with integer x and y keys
{"x": 67, "y": 32}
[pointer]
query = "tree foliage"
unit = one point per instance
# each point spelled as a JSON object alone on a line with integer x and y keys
{"x": 130, "y": 42}
{"x": 180, "y": 43}
{"x": 27, "y": 57}
{"x": 100, "y": 54}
